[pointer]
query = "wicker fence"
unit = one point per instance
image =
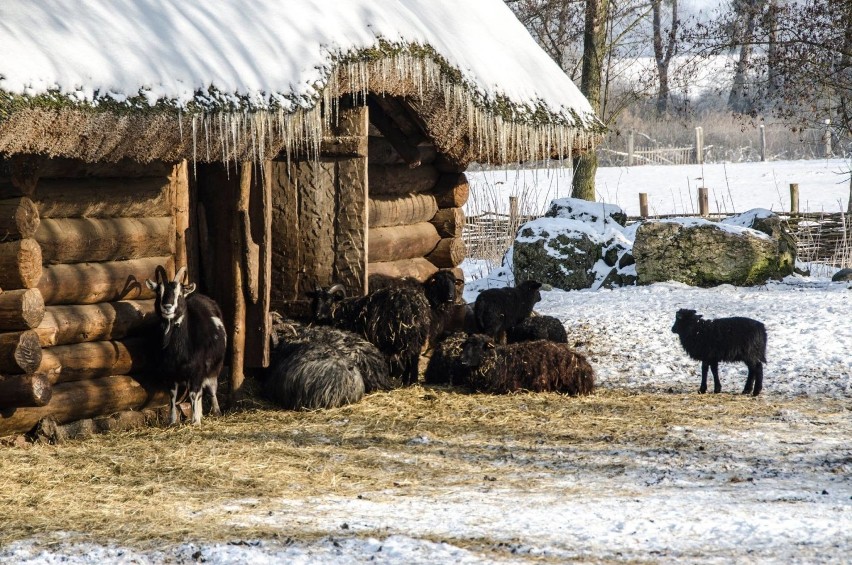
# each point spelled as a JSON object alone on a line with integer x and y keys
{"x": 823, "y": 238}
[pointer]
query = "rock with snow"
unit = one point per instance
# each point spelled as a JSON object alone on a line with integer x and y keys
{"x": 843, "y": 275}
{"x": 578, "y": 244}
{"x": 702, "y": 253}
{"x": 775, "y": 226}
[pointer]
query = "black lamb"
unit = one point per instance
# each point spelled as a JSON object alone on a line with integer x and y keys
{"x": 537, "y": 327}
{"x": 723, "y": 339}
{"x": 397, "y": 320}
{"x": 444, "y": 367}
{"x": 498, "y": 309}
{"x": 314, "y": 367}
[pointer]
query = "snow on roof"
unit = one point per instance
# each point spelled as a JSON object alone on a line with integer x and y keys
{"x": 269, "y": 53}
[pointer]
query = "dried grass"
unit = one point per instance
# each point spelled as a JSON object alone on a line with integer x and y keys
{"x": 171, "y": 484}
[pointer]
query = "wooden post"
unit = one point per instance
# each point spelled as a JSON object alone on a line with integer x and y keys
{"x": 513, "y": 213}
{"x": 238, "y": 338}
{"x": 703, "y": 201}
{"x": 826, "y": 139}
{"x": 794, "y": 198}
{"x": 179, "y": 180}
{"x": 630, "y": 148}
{"x": 699, "y": 145}
{"x": 643, "y": 204}
{"x": 762, "y": 142}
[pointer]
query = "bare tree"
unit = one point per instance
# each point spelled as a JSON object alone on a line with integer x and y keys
{"x": 663, "y": 53}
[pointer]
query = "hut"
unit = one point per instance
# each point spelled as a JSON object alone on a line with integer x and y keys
{"x": 268, "y": 146}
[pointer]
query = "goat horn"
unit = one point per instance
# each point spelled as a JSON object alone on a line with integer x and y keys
{"x": 181, "y": 272}
{"x": 337, "y": 287}
{"x": 160, "y": 274}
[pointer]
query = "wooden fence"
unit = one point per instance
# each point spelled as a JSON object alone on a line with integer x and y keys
{"x": 821, "y": 237}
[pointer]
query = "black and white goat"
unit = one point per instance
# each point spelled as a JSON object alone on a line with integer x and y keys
{"x": 723, "y": 339}
{"x": 193, "y": 341}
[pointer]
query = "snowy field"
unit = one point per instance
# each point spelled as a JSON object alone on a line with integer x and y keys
{"x": 733, "y": 187}
{"x": 746, "y": 480}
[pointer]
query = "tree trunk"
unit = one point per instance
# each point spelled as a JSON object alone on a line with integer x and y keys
{"x": 738, "y": 99}
{"x": 663, "y": 54}
{"x": 594, "y": 38}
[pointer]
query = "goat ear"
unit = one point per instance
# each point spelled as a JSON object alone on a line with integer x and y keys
{"x": 188, "y": 289}
{"x": 151, "y": 284}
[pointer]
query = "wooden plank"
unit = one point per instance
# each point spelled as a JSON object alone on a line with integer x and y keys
{"x": 286, "y": 251}
{"x": 316, "y": 184}
{"x": 350, "y": 227}
{"x": 76, "y": 240}
{"x": 258, "y": 323}
{"x": 90, "y": 283}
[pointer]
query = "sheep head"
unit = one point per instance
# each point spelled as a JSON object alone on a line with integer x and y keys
{"x": 474, "y": 350}
{"x": 685, "y": 319}
{"x": 323, "y": 302}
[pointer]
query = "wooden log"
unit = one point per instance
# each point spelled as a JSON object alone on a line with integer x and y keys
{"x": 394, "y": 180}
{"x": 20, "y": 352}
{"x": 95, "y": 322}
{"x": 258, "y": 323}
{"x": 238, "y": 275}
{"x": 19, "y": 218}
{"x": 122, "y": 169}
{"x": 402, "y": 210}
{"x": 85, "y": 399}
{"x": 21, "y": 309}
{"x": 96, "y": 359}
{"x": 20, "y": 391}
{"x": 20, "y": 264}
{"x": 104, "y": 197}
{"x": 91, "y": 283}
{"x": 401, "y": 242}
{"x": 452, "y": 190}
{"x": 449, "y": 222}
{"x": 417, "y": 268}
{"x": 449, "y": 252}
{"x": 77, "y": 240}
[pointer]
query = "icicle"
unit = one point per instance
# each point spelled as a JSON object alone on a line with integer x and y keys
{"x": 194, "y": 155}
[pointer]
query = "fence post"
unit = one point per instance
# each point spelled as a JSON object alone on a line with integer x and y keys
{"x": 630, "y": 148}
{"x": 703, "y": 201}
{"x": 643, "y": 204}
{"x": 794, "y": 198}
{"x": 699, "y": 145}
{"x": 826, "y": 138}
{"x": 513, "y": 212}
{"x": 762, "y": 142}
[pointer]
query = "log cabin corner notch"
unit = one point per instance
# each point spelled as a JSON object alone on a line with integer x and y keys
{"x": 262, "y": 193}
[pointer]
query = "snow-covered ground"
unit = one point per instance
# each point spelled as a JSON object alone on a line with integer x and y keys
{"x": 776, "y": 489}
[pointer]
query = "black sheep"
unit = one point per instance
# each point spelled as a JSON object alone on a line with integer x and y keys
{"x": 498, "y": 309}
{"x": 538, "y": 327}
{"x": 315, "y": 367}
{"x": 444, "y": 367}
{"x": 397, "y": 320}
{"x": 723, "y": 339}
{"x": 538, "y": 366}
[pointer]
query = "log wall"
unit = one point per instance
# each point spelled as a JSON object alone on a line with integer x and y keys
{"x": 77, "y": 242}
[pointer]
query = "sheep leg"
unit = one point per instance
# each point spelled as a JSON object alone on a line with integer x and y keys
{"x": 409, "y": 375}
{"x": 703, "y": 388}
{"x": 758, "y": 378}
{"x": 210, "y": 385}
{"x": 173, "y": 413}
{"x": 195, "y": 402}
{"x": 750, "y": 380}
{"x": 717, "y": 384}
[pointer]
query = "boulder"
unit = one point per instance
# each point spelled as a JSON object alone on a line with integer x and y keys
{"x": 774, "y": 226}
{"x": 703, "y": 253}
{"x": 842, "y": 275}
{"x": 578, "y": 244}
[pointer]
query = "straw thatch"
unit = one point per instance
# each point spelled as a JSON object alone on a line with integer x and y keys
{"x": 463, "y": 127}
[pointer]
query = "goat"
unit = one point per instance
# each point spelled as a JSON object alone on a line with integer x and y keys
{"x": 396, "y": 319}
{"x": 498, "y": 309}
{"x": 538, "y": 366}
{"x": 193, "y": 341}
{"x": 537, "y": 327}
{"x": 315, "y": 367}
{"x": 723, "y": 339}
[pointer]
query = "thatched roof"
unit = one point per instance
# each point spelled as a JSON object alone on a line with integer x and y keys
{"x": 233, "y": 80}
